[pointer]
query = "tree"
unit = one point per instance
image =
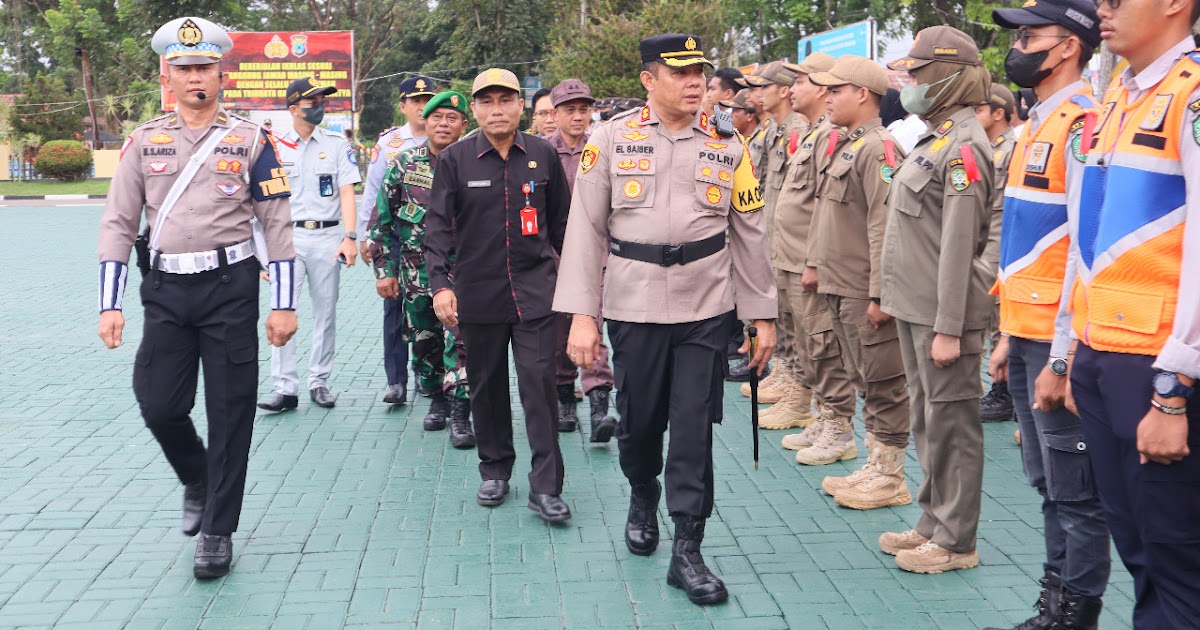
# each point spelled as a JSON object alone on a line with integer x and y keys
{"x": 34, "y": 112}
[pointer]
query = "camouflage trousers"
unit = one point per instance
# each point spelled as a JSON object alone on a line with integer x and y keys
{"x": 438, "y": 355}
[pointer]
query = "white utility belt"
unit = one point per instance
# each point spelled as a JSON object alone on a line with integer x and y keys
{"x": 199, "y": 262}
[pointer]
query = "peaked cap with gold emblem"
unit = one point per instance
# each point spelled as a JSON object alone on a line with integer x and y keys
{"x": 189, "y": 41}
{"x": 674, "y": 49}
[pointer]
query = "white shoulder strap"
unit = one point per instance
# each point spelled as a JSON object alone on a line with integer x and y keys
{"x": 182, "y": 181}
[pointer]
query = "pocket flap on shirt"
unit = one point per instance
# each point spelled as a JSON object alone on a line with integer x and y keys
{"x": 1028, "y": 290}
{"x": 1121, "y": 308}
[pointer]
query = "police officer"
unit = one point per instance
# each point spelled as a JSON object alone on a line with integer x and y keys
{"x": 415, "y": 92}
{"x": 935, "y": 284}
{"x": 500, "y": 202}
{"x": 201, "y": 292}
{"x": 439, "y": 358}
{"x": 322, "y": 169}
{"x": 1043, "y": 185}
{"x": 1136, "y": 308}
{"x": 846, "y": 245}
{"x": 668, "y": 291}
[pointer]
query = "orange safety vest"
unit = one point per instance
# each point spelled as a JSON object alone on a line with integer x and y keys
{"x": 1131, "y": 218}
{"x": 1034, "y": 240}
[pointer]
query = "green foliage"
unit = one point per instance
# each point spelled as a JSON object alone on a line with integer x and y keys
{"x": 67, "y": 160}
{"x": 34, "y": 113}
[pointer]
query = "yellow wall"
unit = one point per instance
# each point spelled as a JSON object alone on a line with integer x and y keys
{"x": 4, "y": 154}
{"x": 106, "y": 162}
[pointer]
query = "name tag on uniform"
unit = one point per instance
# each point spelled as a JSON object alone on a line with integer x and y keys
{"x": 479, "y": 183}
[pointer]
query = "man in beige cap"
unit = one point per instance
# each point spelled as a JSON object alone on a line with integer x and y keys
{"x": 935, "y": 284}
{"x": 846, "y": 242}
{"x": 743, "y": 114}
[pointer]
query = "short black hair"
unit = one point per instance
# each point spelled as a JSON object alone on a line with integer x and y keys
{"x": 729, "y": 76}
{"x": 1008, "y": 113}
{"x": 653, "y": 66}
{"x": 538, "y": 95}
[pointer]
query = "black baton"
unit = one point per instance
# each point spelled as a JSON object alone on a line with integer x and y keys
{"x": 753, "y": 333}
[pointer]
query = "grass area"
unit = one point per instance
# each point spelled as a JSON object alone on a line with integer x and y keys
{"x": 89, "y": 187}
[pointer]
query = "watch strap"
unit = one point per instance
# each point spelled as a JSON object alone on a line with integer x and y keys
{"x": 1170, "y": 411}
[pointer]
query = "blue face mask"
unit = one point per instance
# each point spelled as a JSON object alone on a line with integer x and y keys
{"x": 313, "y": 115}
{"x": 915, "y": 98}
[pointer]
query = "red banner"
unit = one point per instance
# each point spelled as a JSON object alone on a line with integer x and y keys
{"x": 261, "y": 65}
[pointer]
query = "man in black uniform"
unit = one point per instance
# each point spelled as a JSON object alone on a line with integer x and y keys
{"x": 496, "y": 219}
{"x": 201, "y": 291}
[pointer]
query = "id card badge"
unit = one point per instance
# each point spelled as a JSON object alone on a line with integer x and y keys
{"x": 327, "y": 185}
{"x": 529, "y": 225}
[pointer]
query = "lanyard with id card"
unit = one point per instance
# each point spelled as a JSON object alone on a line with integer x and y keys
{"x": 529, "y": 226}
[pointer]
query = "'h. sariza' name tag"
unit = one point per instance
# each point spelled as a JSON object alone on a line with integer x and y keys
{"x": 479, "y": 183}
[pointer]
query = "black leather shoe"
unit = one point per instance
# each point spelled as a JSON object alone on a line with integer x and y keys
{"x": 641, "y": 527}
{"x": 1048, "y": 605}
{"x": 214, "y": 554}
{"x": 396, "y": 394}
{"x": 688, "y": 571}
{"x": 439, "y": 411}
{"x": 195, "y": 495}
{"x": 603, "y": 425}
{"x": 997, "y": 405}
{"x": 461, "y": 434}
{"x": 550, "y": 507}
{"x": 492, "y": 492}
{"x": 321, "y": 396}
{"x": 279, "y": 402}
{"x": 567, "y": 420}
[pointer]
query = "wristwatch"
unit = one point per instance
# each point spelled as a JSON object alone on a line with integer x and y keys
{"x": 1167, "y": 385}
{"x": 352, "y": 236}
{"x": 1058, "y": 366}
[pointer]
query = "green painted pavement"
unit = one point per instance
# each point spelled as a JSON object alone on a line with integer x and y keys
{"x": 355, "y": 517}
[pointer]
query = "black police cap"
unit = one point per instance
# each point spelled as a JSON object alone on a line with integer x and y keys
{"x": 307, "y": 88}
{"x": 1077, "y": 16}
{"x": 674, "y": 49}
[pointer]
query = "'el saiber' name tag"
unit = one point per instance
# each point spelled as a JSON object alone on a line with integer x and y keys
{"x": 479, "y": 183}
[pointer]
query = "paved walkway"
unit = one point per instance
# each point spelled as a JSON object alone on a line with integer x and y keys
{"x": 356, "y": 517}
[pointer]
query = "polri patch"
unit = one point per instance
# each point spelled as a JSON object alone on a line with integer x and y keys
{"x": 587, "y": 160}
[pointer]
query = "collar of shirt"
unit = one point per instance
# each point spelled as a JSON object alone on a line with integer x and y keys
{"x": 956, "y": 119}
{"x": 1154, "y": 73}
{"x": 483, "y": 145}
{"x": 560, "y": 144}
{"x": 1040, "y": 112}
{"x": 220, "y": 119}
{"x": 319, "y": 135}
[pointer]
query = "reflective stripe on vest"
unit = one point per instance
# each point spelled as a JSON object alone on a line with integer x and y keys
{"x": 1034, "y": 239}
{"x": 1131, "y": 218}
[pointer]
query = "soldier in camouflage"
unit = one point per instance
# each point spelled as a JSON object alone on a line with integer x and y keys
{"x": 398, "y": 221}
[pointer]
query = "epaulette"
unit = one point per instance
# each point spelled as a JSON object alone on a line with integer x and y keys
{"x": 1084, "y": 101}
{"x": 626, "y": 114}
{"x": 388, "y": 130}
{"x": 944, "y": 128}
{"x": 152, "y": 121}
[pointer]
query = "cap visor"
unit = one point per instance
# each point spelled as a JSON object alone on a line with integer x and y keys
{"x": 421, "y": 93}
{"x": 908, "y": 63}
{"x": 192, "y": 60}
{"x": 682, "y": 62}
{"x": 486, "y": 86}
{"x": 1015, "y": 18}
{"x": 826, "y": 79}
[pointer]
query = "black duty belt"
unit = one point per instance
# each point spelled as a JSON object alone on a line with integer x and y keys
{"x": 315, "y": 225}
{"x": 667, "y": 255}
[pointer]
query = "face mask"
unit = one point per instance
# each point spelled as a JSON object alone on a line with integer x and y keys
{"x": 1025, "y": 69}
{"x": 595, "y": 116}
{"x": 914, "y": 97}
{"x": 313, "y": 115}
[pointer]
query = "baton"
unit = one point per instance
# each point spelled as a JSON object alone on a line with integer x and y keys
{"x": 753, "y": 334}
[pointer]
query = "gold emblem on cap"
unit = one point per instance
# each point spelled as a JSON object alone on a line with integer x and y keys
{"x": 420, "y": 84}
{"x": 532, "y": 163}
{"x": 494, "y": 75}
{"x": 690, "y": 44}
{"x": 454, "y": 100}
{"x": 189, "y": 34}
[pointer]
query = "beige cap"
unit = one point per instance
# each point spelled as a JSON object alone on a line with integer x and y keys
{"x": 754, "y": 80}
{"x": 812, "y": 64}
{"x": 853, "y": 70}
{"x": 495, "y": 77}
{"x": 737, "y": 102}
{"x": 776, "y": 72}
{"x": 939, "y": 43}
{"x": 1002, "y": 97}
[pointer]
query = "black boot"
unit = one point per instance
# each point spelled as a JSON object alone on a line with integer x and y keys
{"x": 688, "y": 571}
{"x": 997, "y": 405}
{"x": 1078, "y": 612}
{"x": 439, "y": 410}
{"x": 641, "y": 527}
{"x": 567, "y": 420}
{"x": 195, "y": 496}
{"x": 603, "y": 425}
{"x": 461, "y": 435}
{"x": 1048, "y": 605}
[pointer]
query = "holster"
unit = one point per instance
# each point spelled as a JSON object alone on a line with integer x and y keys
{"x": 141, "y": 248}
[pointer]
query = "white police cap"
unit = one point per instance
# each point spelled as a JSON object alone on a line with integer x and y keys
{"x": 191, "y": 41}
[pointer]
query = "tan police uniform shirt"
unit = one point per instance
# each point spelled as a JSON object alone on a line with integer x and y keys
{"x": 235, "y": 182}
{"x": 758, "y": 145}
{"x": 1002, "y": 149}
{"x": 938, "y": 222}
{"x": 777, "y": 159}
{"x": 852, "y": 212}
{"x": 797, "y": 200}
{"x": 641, "y": 182}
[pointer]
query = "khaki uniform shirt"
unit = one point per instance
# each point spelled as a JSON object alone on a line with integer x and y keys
{"x": 640, "y": 182}
{"x": 1002, "y": 150}
{"x": 938, "y": 221}
{"x": 794, "y": 209}
{"x": 758, "y": 145}
{"x": 777, "y": 159}
{"x": 242, "y": 178}
{"x": 852, "y": 211}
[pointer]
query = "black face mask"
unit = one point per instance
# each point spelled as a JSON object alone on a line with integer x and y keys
{"x": 313, "y": 115}
{"x": 1025, "y": 69}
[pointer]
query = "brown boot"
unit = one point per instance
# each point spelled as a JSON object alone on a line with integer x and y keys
{"x": 884, "y": 487}
{"x": 931, "y": 558}
{"x": 771, "y": 392}
{"x": 794, "y": 411}
{"x": 892, "y": 543}
{"x": 832, "y": 485}
{"x": 836, "y": 443}
{"x": 808, "y": 437}
{"x": 780, "y": 368}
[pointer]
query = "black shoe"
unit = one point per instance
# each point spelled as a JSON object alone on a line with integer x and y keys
{"x": 461, "y": 435}
{"x": 1078, "y": 612}
{"x": 688, "y": 571}
{"x": 567, "y": 420}
{"x": 550, "y": 507}
{"x": 321, "y": 396}
{"x": 997, "y": 405}
{"x": 396, "y": 394}
{"x": 641, "y": 526}
{"x": 1047, "y": 606}
{"x": 214, "y": 554}
{"x": 439, "y": 411}
{"x": 195, "y": 496}
{"x": 492, "y": 492}
{"x": 603, "y": 425}
{"x": 279, "y": 402}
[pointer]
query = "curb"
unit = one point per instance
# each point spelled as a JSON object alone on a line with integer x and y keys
{"x": 50, "y": 197}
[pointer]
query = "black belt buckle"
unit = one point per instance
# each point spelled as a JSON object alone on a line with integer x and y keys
{"x": 672, "y": 255}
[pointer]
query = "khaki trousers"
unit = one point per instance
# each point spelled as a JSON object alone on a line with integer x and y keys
{"x": 876, "y": 365}
{"x": 825, "y": 374}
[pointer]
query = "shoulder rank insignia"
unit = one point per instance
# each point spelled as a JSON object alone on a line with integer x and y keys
{"x": 645, "y": 115}
{"x": 945, "y": 128}
{"x": 998, "y": 141}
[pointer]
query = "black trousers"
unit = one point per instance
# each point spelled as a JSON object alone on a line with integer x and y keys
{"x": 533, "y": 347}
{"x": 209, "y": 317}
{"x": 671, "y": 375}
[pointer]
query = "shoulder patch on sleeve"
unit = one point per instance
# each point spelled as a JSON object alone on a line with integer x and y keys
{"x": 587, "y": 161}
{"x": 747, "y": 196}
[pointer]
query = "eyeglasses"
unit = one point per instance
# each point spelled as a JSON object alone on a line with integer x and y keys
{"x": 1023, "y": 36}
{"x": 542, "y": 113}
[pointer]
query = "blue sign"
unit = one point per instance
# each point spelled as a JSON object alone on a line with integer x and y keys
{"x": 853, "y": 39}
